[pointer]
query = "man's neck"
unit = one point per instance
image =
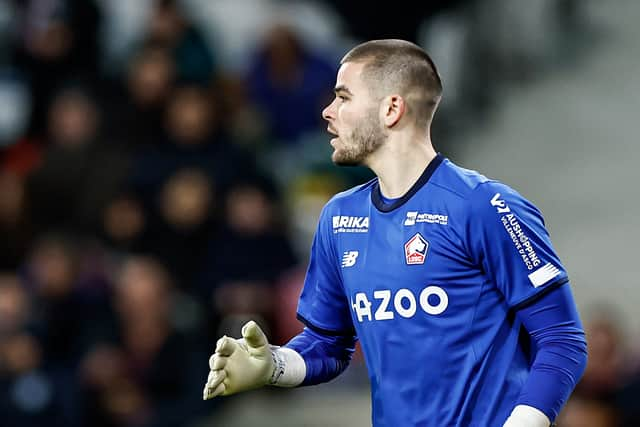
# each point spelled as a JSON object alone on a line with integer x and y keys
{"x": 399, "y": 164}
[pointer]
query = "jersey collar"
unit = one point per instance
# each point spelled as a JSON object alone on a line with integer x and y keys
{"x": 376, "y": 196}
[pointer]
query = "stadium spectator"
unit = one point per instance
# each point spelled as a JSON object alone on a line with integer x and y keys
{"x": 78, "y": 173}
{"x": 57, "y": 41}
{"x": 289, "y": 81}
{"x": 194, "y": 60}
{"x": 251, "y": 231}
{"x": 141, "y": 373}
{"x": 135, "y": 105}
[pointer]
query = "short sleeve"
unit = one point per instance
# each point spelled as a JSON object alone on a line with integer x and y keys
{"x": 507, "y": 237}
{"x": 323, "y": 304}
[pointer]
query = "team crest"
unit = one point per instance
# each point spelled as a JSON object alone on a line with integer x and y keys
{"x": 415, "y": 250}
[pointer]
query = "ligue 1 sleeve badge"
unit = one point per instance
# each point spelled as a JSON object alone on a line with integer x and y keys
{"x": 415, "y": 250}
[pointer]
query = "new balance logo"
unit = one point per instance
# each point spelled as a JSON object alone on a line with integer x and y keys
{"x": 349, "y": 258}
{"x": 499, "y": 204}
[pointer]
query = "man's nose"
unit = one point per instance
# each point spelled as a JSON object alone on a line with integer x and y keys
{"x": 328, "y": 113}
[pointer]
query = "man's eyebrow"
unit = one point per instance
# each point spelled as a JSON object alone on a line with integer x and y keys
{"x": 342, "y": 88}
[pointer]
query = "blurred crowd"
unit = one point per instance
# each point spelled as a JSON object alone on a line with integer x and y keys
{"x": 162, "y": 167}
{"x": 609, "y": 392}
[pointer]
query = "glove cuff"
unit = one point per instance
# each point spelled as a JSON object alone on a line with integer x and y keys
{"x": 527, "y": 416}
{"x": 289, "y": 367}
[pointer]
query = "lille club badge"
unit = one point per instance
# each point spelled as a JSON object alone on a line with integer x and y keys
{"x": 415, "y": 250}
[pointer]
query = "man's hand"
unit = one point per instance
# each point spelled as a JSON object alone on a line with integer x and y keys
{"x": 240, "y": 364}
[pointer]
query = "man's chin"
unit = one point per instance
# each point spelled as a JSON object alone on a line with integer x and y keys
{"x": 339, "y": 160}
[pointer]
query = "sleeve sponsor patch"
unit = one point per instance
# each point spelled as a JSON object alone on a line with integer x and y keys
{"x": 544, "y": 274}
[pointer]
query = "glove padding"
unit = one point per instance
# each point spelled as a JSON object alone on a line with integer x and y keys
{"x": 240, "y": 364}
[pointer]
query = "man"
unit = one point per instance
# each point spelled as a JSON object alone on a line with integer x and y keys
{"x": 447, "y": 278}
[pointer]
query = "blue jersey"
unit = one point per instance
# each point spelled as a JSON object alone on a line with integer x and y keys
{"x": 430, "y": 284}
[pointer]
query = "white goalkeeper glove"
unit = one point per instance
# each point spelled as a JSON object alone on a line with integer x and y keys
{"x": 526, "y": 416}
{"x": 250, "y": 362}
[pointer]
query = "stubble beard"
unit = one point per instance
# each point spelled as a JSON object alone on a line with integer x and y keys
{"x": 363, "y": 141}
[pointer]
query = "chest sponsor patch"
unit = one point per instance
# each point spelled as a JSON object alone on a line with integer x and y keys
{"x": 415, "y": 217}
{"x": 350, "y": 224}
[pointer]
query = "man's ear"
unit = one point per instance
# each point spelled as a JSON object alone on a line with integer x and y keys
{"x": 393, "y": 108}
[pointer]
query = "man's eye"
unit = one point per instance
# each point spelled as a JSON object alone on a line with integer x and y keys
{"x": 342, "y": 97}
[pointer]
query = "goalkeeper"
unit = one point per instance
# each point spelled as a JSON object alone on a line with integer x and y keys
{"x": 448, "y": 278}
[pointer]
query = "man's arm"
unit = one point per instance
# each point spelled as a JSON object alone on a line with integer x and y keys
{"x": 325, "y": 355}
{"x": 507, "y": 238}
{"x": 560, "y": 359}
{"x": 312, "y": 357}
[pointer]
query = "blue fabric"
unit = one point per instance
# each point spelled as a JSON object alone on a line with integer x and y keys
{"x": 325, "y": 356}
{"x": 430, "y": 285}
{"x": 560, "y": 351}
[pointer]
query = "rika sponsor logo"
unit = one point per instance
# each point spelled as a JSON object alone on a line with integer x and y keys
{"x": 415, "y": 250}
{"x": 414, "y": 217}
{"x": 350, "y": 224}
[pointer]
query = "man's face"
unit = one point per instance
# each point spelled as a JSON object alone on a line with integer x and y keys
{"x": 353, "y": 118}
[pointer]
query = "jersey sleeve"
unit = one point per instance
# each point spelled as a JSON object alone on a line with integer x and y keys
{"x": 508, "y": 239}
{"x": 323, "y": 305}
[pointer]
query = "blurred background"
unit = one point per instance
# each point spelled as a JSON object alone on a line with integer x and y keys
{"x": 163, "y": 164}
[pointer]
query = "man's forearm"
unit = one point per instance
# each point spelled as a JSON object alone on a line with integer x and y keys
{"x": 325, "y": 356}
{"x": 561, "y": 351}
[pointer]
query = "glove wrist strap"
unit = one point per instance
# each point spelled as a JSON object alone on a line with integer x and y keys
{"x": 289, "y": 367}
{"x": 527, "y": 416}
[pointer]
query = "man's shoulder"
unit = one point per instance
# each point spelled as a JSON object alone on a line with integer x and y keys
{"x": 474, "y": 189}
{"x": 459, "y": 181}
{"x": 353, "y": 195}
